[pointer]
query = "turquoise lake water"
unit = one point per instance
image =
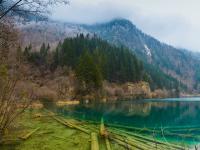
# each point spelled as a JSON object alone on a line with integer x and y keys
{"x": 180, "y": 116}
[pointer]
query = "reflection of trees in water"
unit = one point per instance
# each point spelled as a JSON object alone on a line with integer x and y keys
{"x": 136, "y": 108}
{"x": 137, "y": 112}
{"x": 189, "y": 110}
{"x": 125, "y": 107}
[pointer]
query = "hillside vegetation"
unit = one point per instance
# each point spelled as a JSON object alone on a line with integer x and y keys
{"x": 177, "y": 63}
{"x": 169, "y": 62}
{"x": 94, "y": 61}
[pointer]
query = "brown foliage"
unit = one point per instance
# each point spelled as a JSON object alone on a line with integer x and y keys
{"x": 9, "y": 75}
{"x": 8, "y": 38}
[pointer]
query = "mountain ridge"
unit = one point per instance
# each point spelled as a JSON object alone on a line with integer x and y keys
{"x": 171, "y": 60}
{"x": 175, "y": 62}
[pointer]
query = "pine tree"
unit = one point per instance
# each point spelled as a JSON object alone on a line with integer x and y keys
{"x": 19, "y": 55}
{"x": 27, "y": 52}
{"x": 88, "y": 73}
{"x": 43, "y": 53}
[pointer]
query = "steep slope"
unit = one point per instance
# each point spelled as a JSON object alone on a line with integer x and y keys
{"x": 48, "y": 32}
{"x": 178, "y": 63}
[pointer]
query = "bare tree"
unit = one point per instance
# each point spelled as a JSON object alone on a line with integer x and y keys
{"x": 9, "y": 75}
{"x": 11, "y": 106}
{"x": 8, "y": 38}
{"x": 27, "y": 8}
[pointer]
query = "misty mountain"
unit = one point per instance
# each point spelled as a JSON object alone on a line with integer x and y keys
{"x": 48, "y": 32}
{"x": 178, "y": 63}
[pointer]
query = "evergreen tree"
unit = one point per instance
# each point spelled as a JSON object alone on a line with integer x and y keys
{"x": 88, "y": 73}
{"x": 19, "y": 55}
{"x": 27, "y": 52}
{"x": 95, "y": 60}
{"x": 43, "y": 53}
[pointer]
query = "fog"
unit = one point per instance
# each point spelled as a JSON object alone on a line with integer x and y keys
{"x": 176, "y": 22}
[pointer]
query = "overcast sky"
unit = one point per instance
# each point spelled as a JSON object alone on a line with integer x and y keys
{"x": 176, "y": 22}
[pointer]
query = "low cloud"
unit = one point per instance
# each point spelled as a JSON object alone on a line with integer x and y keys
{"x": 174, "y": 22}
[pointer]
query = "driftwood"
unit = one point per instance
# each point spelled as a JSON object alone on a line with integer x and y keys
{"x": 127, "y": 139}
{"x": 10, "y": 141}
{"x": 59, "y": 138}
{"x": 29, "y": 134}
{"x": 71, "y": 125}
{"x": 45, "y": 132}
{"x": 39, "y": 116}
{"x": 108, "y": 147}
{"x": 67, "y": 123}
{"x": 103, "y": 132}
{"x": 94, "y": 141}
{"x": 147, "y": 140}
{"x": 124, "y": 144}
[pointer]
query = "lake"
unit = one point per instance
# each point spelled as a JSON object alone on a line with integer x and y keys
{"x": 176, "y": 119}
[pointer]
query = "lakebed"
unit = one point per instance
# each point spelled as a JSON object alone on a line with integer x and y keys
{"x": 143, "y": 124}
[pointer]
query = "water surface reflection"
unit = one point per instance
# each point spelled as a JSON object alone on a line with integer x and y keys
{"x": 144, "y": 113}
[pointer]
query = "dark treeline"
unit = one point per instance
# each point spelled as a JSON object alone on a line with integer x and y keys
{"x": 94, "y": 60}
{"x": 115, "y": 64}
{"x": 158, "y": 79}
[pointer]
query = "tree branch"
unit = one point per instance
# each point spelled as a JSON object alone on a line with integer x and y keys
{"x": 7, "y": 11}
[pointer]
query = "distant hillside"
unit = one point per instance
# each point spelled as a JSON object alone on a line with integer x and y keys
{"x": 160, "y": 57}
{"x": 177, "y": 63}
{"x": 96, "y": 62}
{"x": 48, "y": 32}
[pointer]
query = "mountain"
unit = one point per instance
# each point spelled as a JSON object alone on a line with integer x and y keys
{"x": 95, "y": 64}
{"x": 177, "y": 63}
{"x": 48, "y": 32}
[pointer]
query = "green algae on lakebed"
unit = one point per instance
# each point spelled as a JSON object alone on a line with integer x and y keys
{"x": 50, "y": 136}
{"x": 129, "y": 123}
{"x": 56, "y": 136}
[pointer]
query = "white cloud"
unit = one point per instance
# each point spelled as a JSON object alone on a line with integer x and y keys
{"x": 175, "y": 22}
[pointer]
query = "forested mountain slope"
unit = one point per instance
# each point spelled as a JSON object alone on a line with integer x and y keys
{"x": 97, "y": 60}
{"x": 177, "y": 63}
{"x": 160, "y": 57}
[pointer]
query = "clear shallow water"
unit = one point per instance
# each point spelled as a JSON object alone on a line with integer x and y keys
{"x": 142, "y": 113}
{"x": 181, "y": 113}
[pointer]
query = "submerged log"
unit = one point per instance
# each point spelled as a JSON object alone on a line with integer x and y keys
{"x": 134, "y": 141}
{"x": 29, "y": 134}
{"x": 71, "y": 125}
{"x": 166, "y": 133}
{"x": 45, "y": 132}
{"x": 103, "y": 132}
{"x": 40, "y": 116}
{"x": 67, "y": 123}
{"x": 10, "y": 141}
{"x": 133, "y": 128}
{"x": 123, "y": 143}
{"x": 94, "y": 141}
{"x": 108, "y": 147}
{"x": 150, "y": 140}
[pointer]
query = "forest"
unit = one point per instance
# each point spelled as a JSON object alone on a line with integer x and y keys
{"x": 94, "y": 60}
